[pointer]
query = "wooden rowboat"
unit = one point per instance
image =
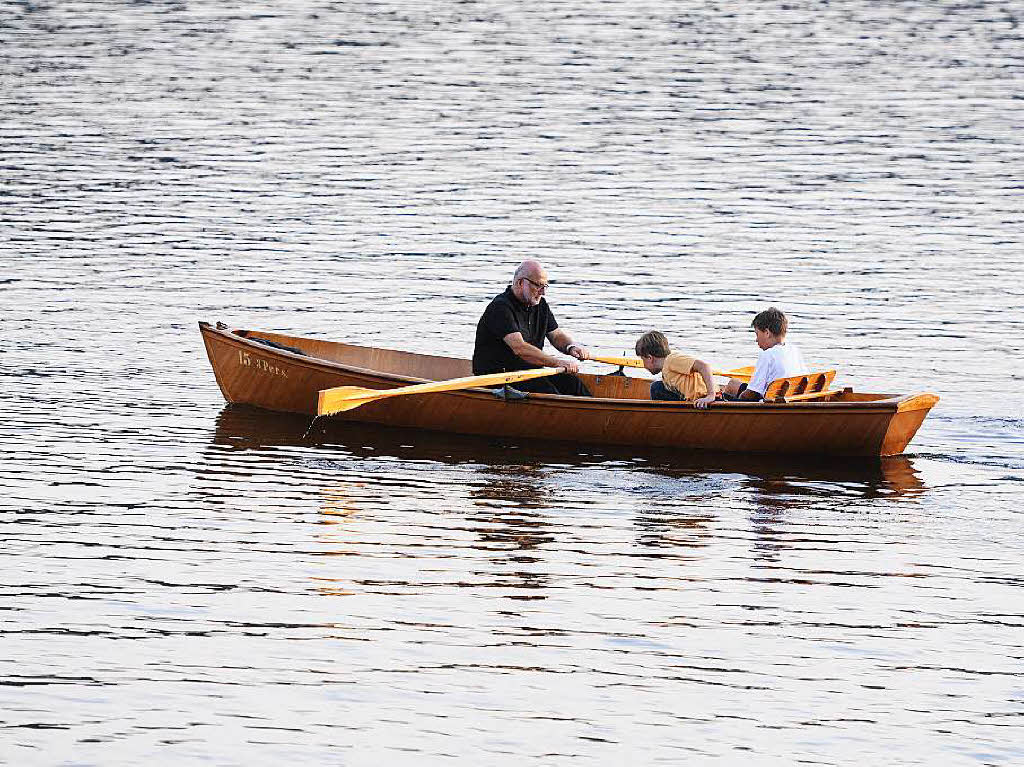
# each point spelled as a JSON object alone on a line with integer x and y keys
{"x": 286, "y": 373}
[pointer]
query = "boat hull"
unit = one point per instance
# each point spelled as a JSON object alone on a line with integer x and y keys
{"x": 249, "y": 371}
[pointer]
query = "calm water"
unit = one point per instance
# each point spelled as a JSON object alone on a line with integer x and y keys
{"x": 188, "y": 583}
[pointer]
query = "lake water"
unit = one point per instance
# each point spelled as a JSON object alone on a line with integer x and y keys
{"x": 188, "y": 583}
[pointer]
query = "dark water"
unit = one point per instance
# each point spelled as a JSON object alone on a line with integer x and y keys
{"x": 184, "y": 582}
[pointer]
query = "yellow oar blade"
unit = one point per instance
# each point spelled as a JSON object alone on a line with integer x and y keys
{"x": 342, "y": 398}
{"x": 740, "y": 374}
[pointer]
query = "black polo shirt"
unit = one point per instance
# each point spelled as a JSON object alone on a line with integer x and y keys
{"x": 507, "y": 314}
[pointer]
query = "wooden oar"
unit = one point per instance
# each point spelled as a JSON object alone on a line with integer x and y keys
{"x": 342, "y": 398}
{"x": 628, "y": 362}
{"x": 740, "y": 374}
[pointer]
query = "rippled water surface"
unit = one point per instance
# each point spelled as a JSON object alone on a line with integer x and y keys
{"x": 187, "y": 582}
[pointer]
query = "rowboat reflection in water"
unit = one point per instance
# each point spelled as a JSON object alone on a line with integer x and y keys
{"x": 511, "y": 500}
{"x": 511, "y": 463}
{"x": 288, "y": 373}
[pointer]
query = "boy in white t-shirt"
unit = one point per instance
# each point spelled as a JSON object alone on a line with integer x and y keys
{"x": 777, "y": 359}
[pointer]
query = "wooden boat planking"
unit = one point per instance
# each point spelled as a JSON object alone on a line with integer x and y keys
{"x": 621, "y": 412}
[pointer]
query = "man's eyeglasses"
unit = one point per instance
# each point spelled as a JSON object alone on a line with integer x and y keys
{"x": 541, "y": 286}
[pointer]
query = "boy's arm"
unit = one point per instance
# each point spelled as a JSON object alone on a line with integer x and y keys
{"x": 700, "y": 366}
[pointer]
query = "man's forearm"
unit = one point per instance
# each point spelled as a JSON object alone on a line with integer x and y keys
{"x": 535, "y": 356}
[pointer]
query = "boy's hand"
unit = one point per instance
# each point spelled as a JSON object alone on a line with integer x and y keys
{"x": 706, "y": 400}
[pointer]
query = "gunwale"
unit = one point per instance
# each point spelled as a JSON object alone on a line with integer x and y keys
{"x": 884, "y": 423}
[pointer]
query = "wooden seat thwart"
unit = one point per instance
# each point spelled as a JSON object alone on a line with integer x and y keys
{"x": 800, "y": 388}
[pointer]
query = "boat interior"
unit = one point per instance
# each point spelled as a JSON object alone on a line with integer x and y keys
{"x": 814, "y": 387}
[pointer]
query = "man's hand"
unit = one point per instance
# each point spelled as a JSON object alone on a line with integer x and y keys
{"x": 578, "y": 351}
{"x": 570, "y": 366}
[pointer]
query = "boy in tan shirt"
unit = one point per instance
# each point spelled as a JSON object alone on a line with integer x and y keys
{"x": 682, "y": 377}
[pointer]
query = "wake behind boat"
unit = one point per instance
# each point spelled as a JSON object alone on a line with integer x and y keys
{"x": 287, "y": 373}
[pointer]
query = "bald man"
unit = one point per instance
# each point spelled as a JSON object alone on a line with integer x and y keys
{"x": 510, "y": 336}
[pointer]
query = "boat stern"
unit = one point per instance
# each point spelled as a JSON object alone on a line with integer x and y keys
{"x": 910, "y": 414}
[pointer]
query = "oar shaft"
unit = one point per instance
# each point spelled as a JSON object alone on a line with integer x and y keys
{"x": 743, "y": 374}
{"x": 342, "y": 398}
{"x": 629, "y": 362}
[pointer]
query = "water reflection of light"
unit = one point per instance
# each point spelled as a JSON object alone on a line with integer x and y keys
{"x": 335, "y": 505}
{"x": 338, "y": 516}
